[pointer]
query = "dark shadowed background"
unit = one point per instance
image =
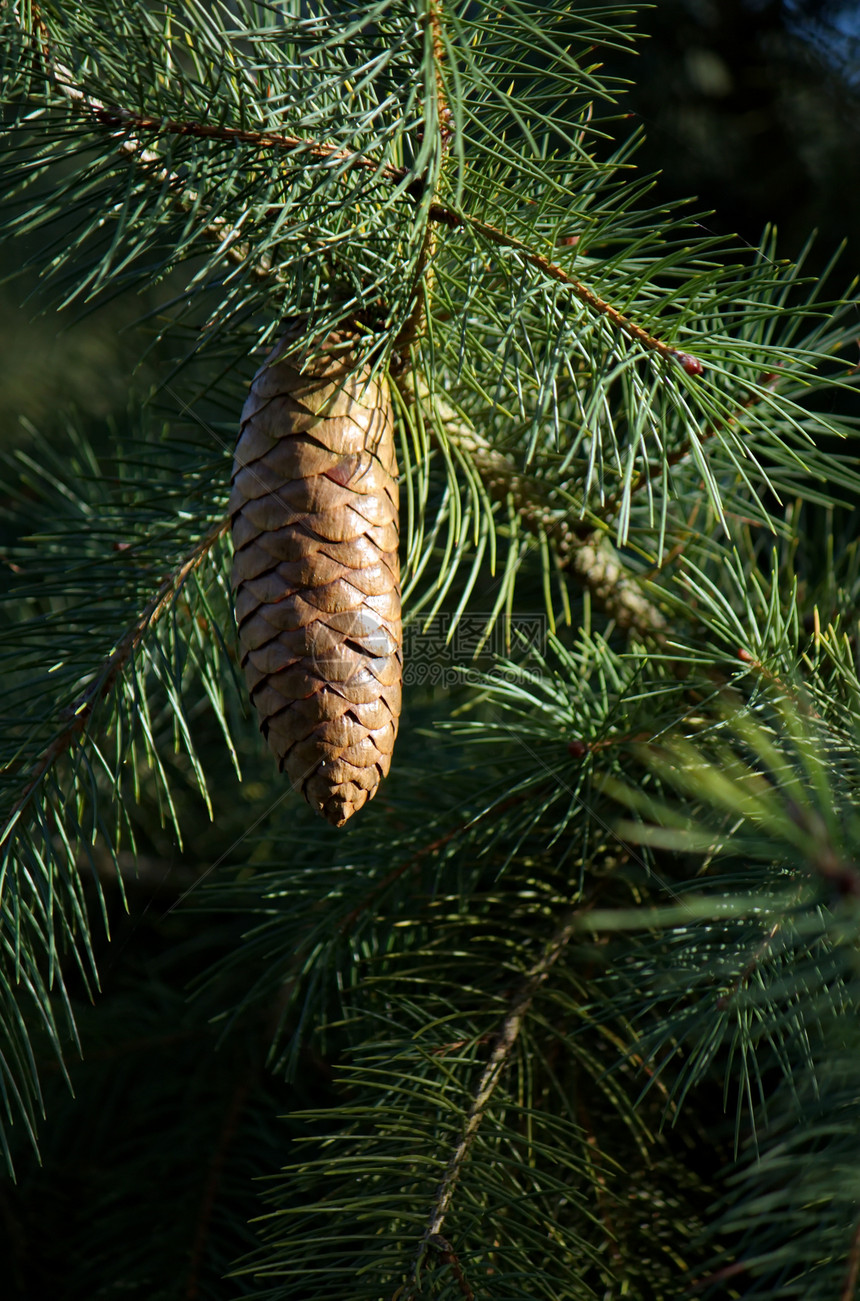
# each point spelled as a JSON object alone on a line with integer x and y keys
{"x": 752, "y": 105}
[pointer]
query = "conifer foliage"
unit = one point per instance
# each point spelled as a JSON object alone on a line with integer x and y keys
{"x": 569, "y": 1011}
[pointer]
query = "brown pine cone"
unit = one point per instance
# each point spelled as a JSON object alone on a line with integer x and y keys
{"x": 316, "y": 572}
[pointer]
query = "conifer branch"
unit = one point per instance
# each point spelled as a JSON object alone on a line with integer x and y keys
{"x": 299, "y": 145}
{"x": 742, "y": 980}
{"x": 586, "y": 296}
{"x": 114, "y": 115}
{"x": 421, "y": 287}
{"x": 433, "y": 847}
{"x": 767, "y": 381}
{"x": 449, "y": 1257}
{"x": 219, "y": 230}
{"x": 579, "y": 749}
{"x": 586, "y": 554}
{"x": 849, "y": 1291}
{"x": 771, "y": 679}
{"x": 594, "y": 562}
{"x": 81, "y": 710}
{"x": 225, "y": 234}
{"x": 489, "y": 1079}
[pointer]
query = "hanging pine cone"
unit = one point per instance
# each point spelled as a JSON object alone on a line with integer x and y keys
{"x": 316, "y": 572}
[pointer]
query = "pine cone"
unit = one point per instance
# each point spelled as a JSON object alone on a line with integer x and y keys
{"x": 316, "y": 572}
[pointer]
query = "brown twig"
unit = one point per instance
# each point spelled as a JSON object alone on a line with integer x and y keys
{"x": 774, "y": 680}
{"x": 410, "y": 864}
{"x": 113, "y": 117}
{"x": 578, "y": 749}
{"x": 491, "y": 1074}
{"x": 587, "y": 296}
{"x": 305, "y": 148}
{"x": 394, "y": 875}
{"x": 223, "y": 232}
{"x": 448, "y": 1256}
{"x": 720, "y": 1275}
{"x": 849, "y": 1290}
{"x": 121, "y": 117}
{"x": 444, "y": 1049}
{"x": 81, "y": 710}
{"x": 742, "y": 980}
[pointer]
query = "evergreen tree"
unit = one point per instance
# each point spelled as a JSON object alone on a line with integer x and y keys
{"x": 570, "y": 1009}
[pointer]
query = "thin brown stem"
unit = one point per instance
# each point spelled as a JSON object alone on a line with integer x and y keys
{"x": 849, "y": 1290}
{"x": 741, "y": 981}
{"x": 579, "y": 749}
{"x": 720, "y": 1276}
{"x": 448, "y": 1256}
{"x": 222, "y": 232}
{"x": 114, "y": 117}
{"x": 503, "y": 1044}
{"x": 301, "y": 146}
{"x": 394, "y": 875}
{"x": 772, "y": 679}
{"x": 81, "y": 710}
{"x": 586, "y": 296}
